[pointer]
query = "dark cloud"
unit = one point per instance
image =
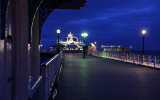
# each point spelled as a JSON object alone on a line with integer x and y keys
{"x": 109, "y": 22}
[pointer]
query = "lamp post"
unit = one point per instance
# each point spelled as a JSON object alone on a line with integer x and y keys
{"x": 84, "y": 35}
{"x": 143, "y": 33}
{"x": 58, "y": 31}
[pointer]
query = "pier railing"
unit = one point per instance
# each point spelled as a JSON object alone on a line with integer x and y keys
{"x": 139, "y": 59}
{"x": 50, "y": 71}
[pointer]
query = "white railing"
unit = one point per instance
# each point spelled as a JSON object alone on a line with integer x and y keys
{"x": 50, "y": 71}
{"x": 139, "y": 59}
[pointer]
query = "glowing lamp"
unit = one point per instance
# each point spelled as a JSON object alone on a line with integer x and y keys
{"x": 84, "y": 35}
{"x": 58, "y": 31}
{"x": 143, "y": 32}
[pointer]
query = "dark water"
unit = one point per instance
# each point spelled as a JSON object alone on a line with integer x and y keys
{"x": 147, "y": 52}
{"x": 44, "y": 59}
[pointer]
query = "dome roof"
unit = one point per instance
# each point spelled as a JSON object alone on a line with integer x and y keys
{"x": 70, "y": 38}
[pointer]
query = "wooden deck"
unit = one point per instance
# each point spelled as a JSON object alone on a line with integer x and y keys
{"x": 103, "y": 79}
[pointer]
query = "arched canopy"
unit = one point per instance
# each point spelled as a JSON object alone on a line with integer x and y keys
{"x": 45, "y": 7}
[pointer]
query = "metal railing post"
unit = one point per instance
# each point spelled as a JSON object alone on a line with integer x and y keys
{"x": 49, "y": 72}
{"x": 147, "y": 60}
{"x": 155, "y": 61}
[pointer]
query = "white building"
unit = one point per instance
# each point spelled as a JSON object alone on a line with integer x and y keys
{"x": 71, "y": 42}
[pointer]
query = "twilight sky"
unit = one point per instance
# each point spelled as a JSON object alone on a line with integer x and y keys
{"x": 108, "y": 22}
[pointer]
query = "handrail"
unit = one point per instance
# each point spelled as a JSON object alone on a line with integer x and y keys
{"x": 50, "y": 71}
{"x": 50, "y": 60}
{"x": 138, "y": 59}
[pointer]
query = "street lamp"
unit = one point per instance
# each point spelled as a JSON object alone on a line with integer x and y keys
{"x": 84, "y": 35}
{"x": 143, "y": 33}
{"x": 58, "y": 31}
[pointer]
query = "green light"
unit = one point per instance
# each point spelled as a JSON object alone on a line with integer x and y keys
{"x": 35, "y": 16}
{"x": 84, "y": 35}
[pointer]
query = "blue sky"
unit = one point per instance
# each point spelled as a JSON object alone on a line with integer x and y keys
{"x": 108, "y": 22}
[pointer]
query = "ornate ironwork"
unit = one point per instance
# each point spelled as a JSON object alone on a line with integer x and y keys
{"x": 48, "y": 6}
{"x": 44, "y": 7}
{"x": 44, "y": 13}
{"x": 33, "y": 9}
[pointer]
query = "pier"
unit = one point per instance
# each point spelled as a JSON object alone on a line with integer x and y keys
{"x": 73, "y": 69}
{"x": 97, "y": 78}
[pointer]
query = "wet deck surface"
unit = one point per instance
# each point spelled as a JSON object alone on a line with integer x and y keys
{"x": 103, "y": 79}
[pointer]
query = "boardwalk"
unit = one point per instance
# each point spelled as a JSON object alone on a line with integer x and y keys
{"x": 103, "y": 79}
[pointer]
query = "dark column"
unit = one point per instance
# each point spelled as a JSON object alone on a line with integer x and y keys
{"x": 143, "y": 46}
{"x": 2, "y": 67}
{"x": 84, "y": 51}
{"x": 35, "y": 48}
{"x": 58, "y": 43}
{"x": 19, "y": 17}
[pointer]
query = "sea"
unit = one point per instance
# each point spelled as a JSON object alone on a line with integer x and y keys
{"x": 147, "y": 52}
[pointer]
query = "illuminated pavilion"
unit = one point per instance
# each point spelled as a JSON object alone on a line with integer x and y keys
{"x": 71, "y": 42}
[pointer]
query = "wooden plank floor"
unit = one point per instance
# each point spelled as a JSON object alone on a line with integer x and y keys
{"x": 103, "y": 79}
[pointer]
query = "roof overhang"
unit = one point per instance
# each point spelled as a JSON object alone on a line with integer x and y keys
{"x": 72, "y": 4}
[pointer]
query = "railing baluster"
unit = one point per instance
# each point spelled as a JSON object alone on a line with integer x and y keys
{"x": 155, "y": 61}
{"x": 146, "y": 60}
{"x": 49, "y": 72}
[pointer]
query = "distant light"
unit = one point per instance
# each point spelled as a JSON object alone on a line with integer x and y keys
{"x": 102, "y": 46}
{"x": 29, "y": 45}
{"x": 58, "y": 31}
{"x": 41, "y": 45}
{"x": 119, "y": 46}
{"x": 95, "y": 42}
{"x": 143, "y": 32}
{"x": 84, "y": 35}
